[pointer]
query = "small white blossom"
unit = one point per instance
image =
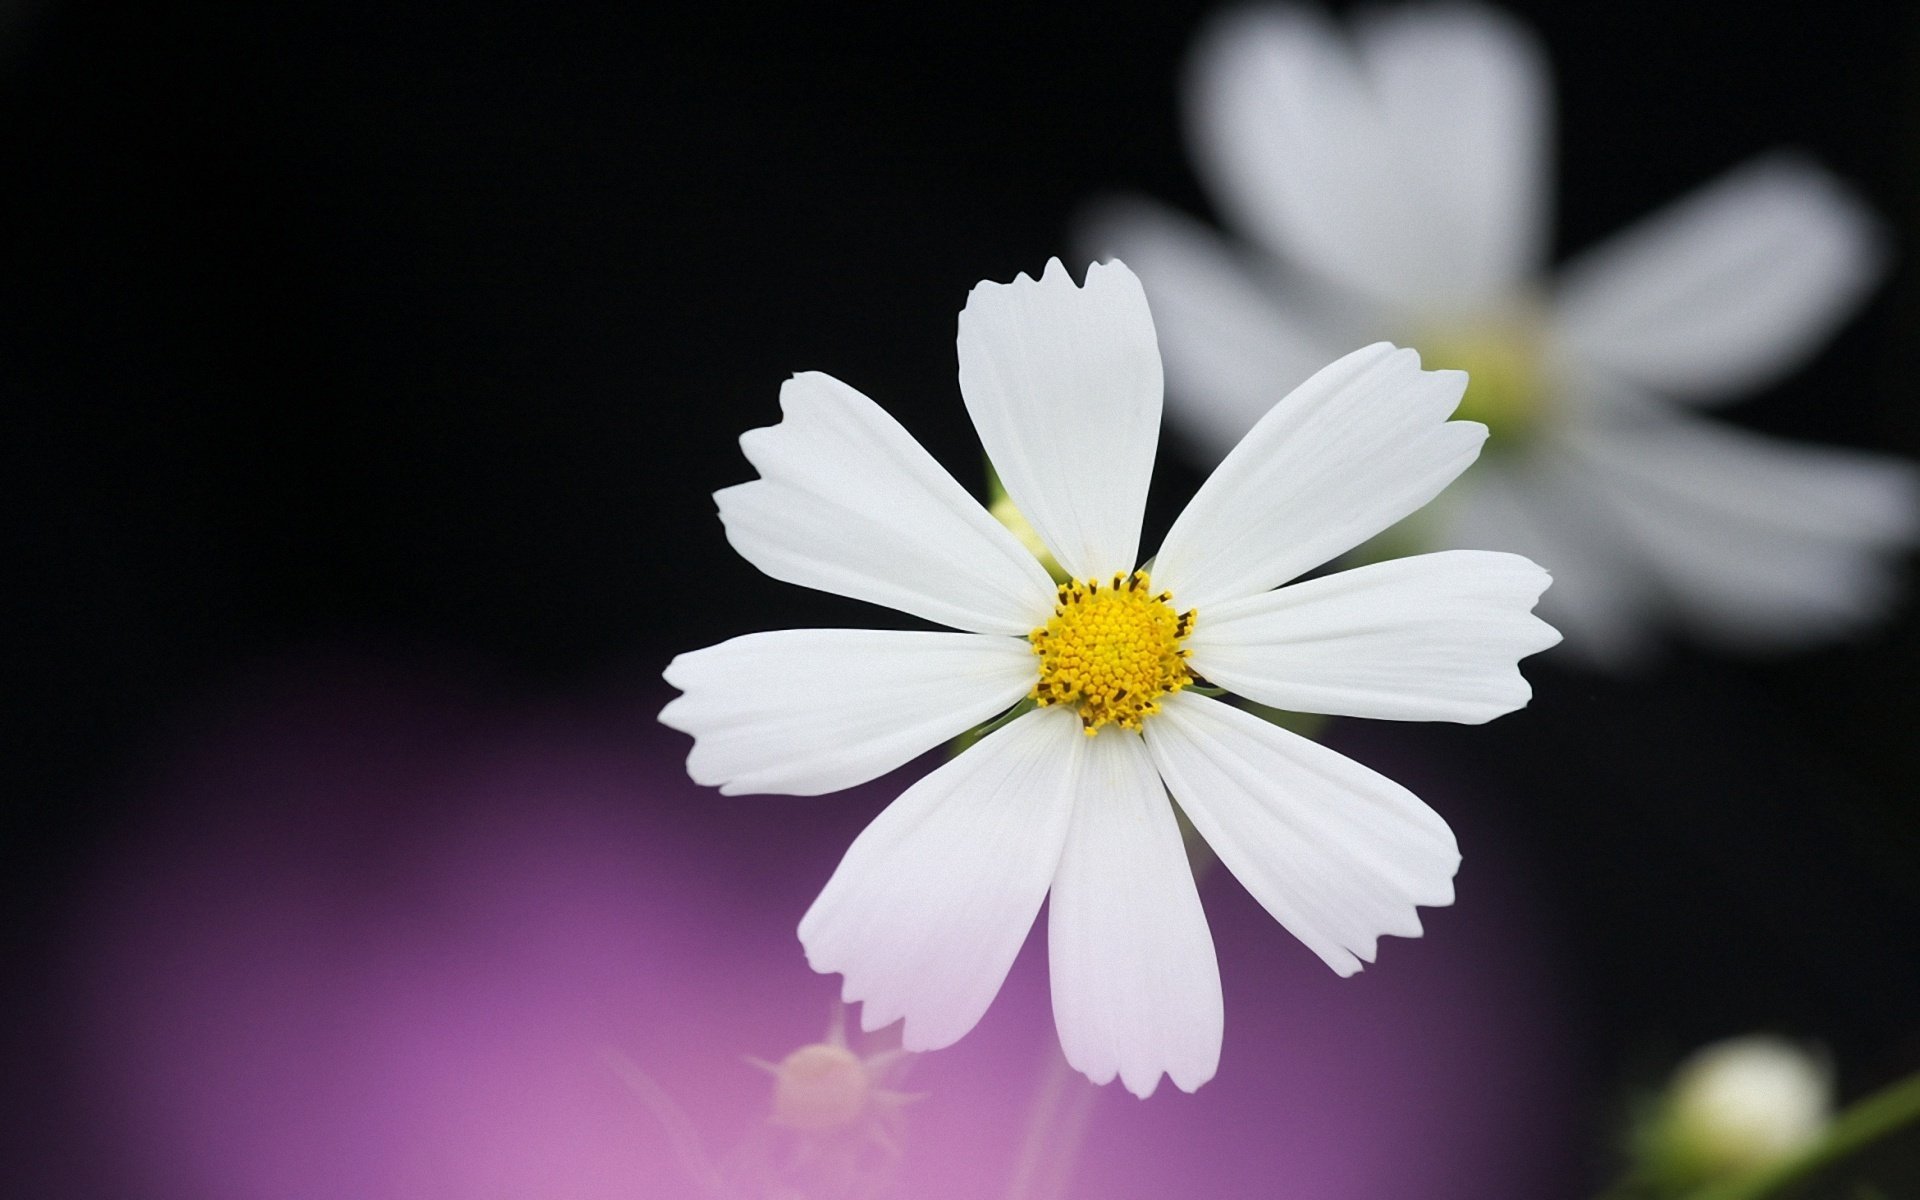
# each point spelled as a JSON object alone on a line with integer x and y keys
{"x": 1743, "y": 1104}
{"x": 1395, "y": 183}
{"x": 925, "y": 913}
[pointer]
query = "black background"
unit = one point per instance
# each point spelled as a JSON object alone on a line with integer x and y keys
{"x": 428, "y": 332}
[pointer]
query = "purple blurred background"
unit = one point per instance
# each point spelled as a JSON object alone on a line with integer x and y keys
{"x": 376, "y": 936}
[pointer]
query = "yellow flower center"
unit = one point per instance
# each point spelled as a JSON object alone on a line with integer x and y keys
{"x": 1111, "y": 649}
{"x": 1504, "y": 385}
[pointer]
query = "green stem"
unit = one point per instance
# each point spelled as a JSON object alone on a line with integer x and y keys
{"x": 1307, "y": 725}
{"x": 966, "y": 740}
{"x": 1866, "y": 1122}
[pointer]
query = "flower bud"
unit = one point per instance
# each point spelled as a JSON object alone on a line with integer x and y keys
{"x": 1740, "y": 1105}
{"x": 820, "y": 1087}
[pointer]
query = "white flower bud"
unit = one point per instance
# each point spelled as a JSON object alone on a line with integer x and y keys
{"x": 1745, "y": 1103}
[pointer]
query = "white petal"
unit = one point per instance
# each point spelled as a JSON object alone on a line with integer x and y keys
{"x": 1338, "y": 854}
{"x": 1063, "y": 384}
{"x": 925, "y": 913}
{"x": 1411, "y": 168}
{"x": 1349, "y": 452}
{"x": 1136, "y": 990}
{"x": 1758, "y": 541}
{"x": 1544, "y": 506}
{"x": 1437, "y": 637}
{"x": 1727, "y": 289}
{"x": 849, "y": 503}
{"x": 1468, "y": 96}
{"x": 806, "y": 711}
{"x": 1231, "y": 347}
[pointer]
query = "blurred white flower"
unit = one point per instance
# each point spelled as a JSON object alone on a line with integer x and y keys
{"x": 1740, "y": 1105}
{"x": 1070, "y": 797}
{"x": 1395, "y": 183}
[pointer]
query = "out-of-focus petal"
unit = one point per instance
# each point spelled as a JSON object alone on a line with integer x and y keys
{"x": 1063, "y": 384}
{"x": 1757, "y": 541}
{"x": 1354, "y": 449}
{"x": 849, "y": 503}
{"x": 1410, "y": 168}
{"x": 1728, "y": 288}
{"x": 1335, "y": 852}
{"x": 1436, "y": 637}
{"x": 807, "y": 711}
{"x": 1545, "y": 507}
{"x": 928, "y": 908}
{"x": 1231, "y": 346}
{"x": 1136, "y": 990}
{"x": 1468, "y": 95}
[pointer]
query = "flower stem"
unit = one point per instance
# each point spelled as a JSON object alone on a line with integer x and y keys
{"x": 967, "y": 740}
{"x": 1056, "y": 1126}
{"x": 681, "y": 1134}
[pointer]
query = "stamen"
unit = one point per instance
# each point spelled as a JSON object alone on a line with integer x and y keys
{"x": 1112, "y": 653}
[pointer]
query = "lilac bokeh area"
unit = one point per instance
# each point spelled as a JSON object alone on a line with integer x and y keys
{"x": 377, "y": 937}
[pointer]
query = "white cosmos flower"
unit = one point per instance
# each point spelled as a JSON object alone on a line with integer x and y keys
{"x": 930, "y": 904}
{"x": 1395, "y": 183}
